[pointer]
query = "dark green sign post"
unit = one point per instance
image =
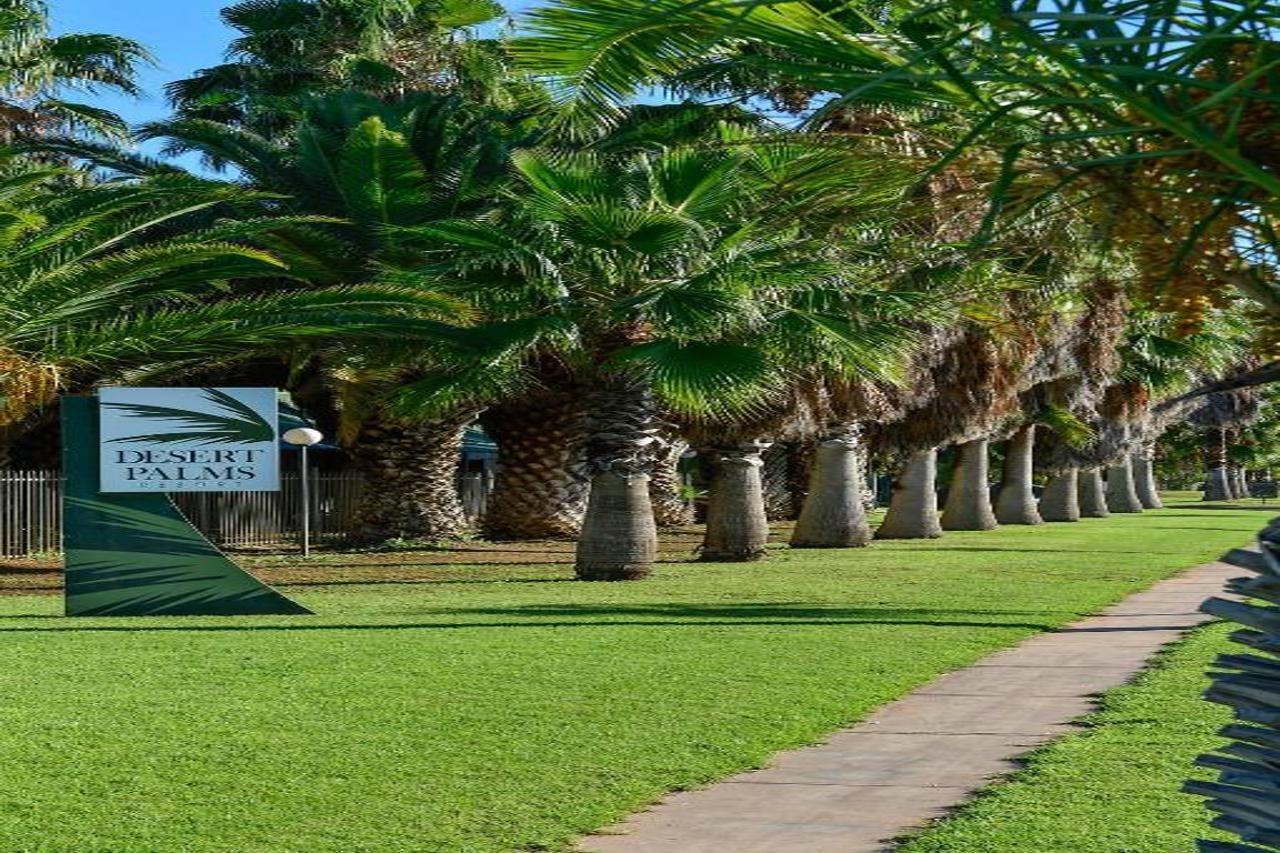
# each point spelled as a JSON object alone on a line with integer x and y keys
{"x": 134, "y": 553}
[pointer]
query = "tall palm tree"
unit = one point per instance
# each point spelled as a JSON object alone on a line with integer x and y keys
{"x": 669, "y": 278}
{"x": 1219, "y": 415}
{"x": 101, "y": 280}
{"x": 287, "y": 50}
{"x": 39, "y": 70}
{"x": 1132, "y": 403}
{"x": 376, "y": 170}
{"x": 542, "y": 486}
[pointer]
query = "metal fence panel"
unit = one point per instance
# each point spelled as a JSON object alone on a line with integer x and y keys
{"x": 31, "y": 511}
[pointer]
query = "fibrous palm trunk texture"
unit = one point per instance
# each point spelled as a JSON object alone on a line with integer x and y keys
{"x": 913, "y": 508}
{"x": 969, "y": 497}
{"x": 1061, "y": 499}
{"x": 1144, "y": 479}
{"x": 1217, "y": 483}
{"x": 619, "y": 539}
{"x": 1092, "y": 494}
{"x": 666, "y": 487}
{"x": 779, "y": 497}
{"x": 542, "y": 484}
{"x": 410, "y": 472}
{"x": 737, "y": 524}
{"x": 834, "y": 514}
{"x": 1122, "y": 495}
{"x": 1016, "y": 503}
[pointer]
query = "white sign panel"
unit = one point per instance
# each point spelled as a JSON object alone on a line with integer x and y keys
{"x": 189, "y": 439}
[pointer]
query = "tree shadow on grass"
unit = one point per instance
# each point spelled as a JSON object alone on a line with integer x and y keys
{"x": 1275, "y": 508}
{"x": 417, "y": 582}
{"x": 1198, "y": 529}
{"x": 744, "y": 611}
{"x": 615, "y": 616}
{"x": 995, "y": 549}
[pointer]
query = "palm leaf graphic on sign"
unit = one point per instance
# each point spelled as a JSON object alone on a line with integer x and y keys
{"x": 238, "y": 423}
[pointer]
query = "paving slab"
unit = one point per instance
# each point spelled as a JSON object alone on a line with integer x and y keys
{"x": 863, "y": 758}
{"x": 1026, "y": 681}
{"x": 916, "y": 758}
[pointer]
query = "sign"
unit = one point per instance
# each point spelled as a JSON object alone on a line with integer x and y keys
{"x": 136, "y": 554}
{"x": 189, "y": 439}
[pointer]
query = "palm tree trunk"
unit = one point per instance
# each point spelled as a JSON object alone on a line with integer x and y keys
{"x": 1144, "y": 476}
{"x": 1217, "y": 483}
{"x": 801, "y": 456}
{"x": 1239, "y": 486}
{"x": 780, "y": 502}
{"x": 1017, "y": 501}
{"x": 913, "y": 509}
{"x": 833, "y": 515}
{"x": 410, "y": 488}
{"x": 619, "y": 539}
{"x": 1093, "y": 494}
{"x": 542, "y": 484}
{"x": 1122, "y": 494}
{"x": 969, "y": 498}
{"x": 666, "y": 487}
{"x": 737, "y": 525}
{"x": 1061, "y": 500}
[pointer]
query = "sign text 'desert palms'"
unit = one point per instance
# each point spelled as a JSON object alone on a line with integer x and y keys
{"x": 189, "y": 439}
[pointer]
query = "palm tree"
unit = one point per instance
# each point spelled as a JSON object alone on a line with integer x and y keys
{"x": 913, "y": 505}
{"x": 1144, "y": 477}
{"x": 360, "y": 169}
{"x": 1218, "y": 415}
{"x": 666, "y": 279}
{"x": 139, "y": 275}
{"x": 1016, "y": 503}
{"x": 1061, "y": 498}
{"x": 541, "y": 488}
{"x": 289, "y": 50}
{"x": 542, "y": 485}
{"x": 833, "y": 514}
{"x": 964, "y": 386}
{"x": 1122, "y": 491}
{"x": 968, "y": 505}
{"x": 37, "y": 70}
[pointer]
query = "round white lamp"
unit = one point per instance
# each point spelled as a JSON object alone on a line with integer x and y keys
{"x": 304, "y": 438}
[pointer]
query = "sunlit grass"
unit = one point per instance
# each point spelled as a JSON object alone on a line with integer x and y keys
{"x": 513, "y": 711}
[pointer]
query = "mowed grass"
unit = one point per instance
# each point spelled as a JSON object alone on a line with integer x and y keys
{"x": 1116, "y": 787}
{"x": 479, "y": 714}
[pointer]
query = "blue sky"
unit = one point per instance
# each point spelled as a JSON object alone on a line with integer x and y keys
{"x": 183, "y": 34}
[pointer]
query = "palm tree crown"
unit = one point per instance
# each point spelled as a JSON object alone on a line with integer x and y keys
{"x": 37, "y": 69}
{"x": 289, "y": 50}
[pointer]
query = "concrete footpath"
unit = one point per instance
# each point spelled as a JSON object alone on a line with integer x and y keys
{"x": 930, "y": 751}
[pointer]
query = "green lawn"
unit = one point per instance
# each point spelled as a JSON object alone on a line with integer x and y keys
{"x": 1114, "y": 788}
{"x": 480, "y": 714}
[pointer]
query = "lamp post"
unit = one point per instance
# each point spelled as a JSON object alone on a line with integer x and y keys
{"x": 304, "y": 438}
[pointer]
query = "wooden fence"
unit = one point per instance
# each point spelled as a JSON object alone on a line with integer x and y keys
{"x": 31, "y": 511}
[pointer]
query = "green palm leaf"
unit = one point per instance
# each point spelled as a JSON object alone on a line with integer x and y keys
{"x": 238, "y": 423}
